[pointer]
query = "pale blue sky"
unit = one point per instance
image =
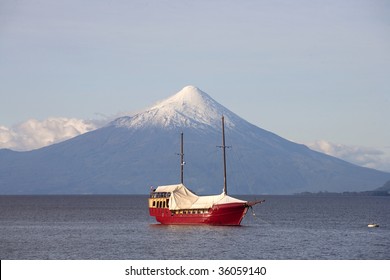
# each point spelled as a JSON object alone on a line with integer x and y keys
{"x": 306, "y": 70}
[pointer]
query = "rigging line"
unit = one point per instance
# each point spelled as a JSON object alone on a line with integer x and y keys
{"x": 258, "y": 218}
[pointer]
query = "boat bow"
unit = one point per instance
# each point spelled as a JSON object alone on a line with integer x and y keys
{"x": 252, "y": 203}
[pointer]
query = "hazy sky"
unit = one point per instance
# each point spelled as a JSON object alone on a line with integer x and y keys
{"x": 307, "y": 70}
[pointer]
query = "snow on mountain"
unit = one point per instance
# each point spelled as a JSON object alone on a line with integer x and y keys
{"x": 190, "y": 107}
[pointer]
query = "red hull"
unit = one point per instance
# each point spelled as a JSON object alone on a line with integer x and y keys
{"x": 230, "y": 214}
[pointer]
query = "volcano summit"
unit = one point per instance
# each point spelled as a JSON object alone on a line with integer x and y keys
{"x": 190, "y": 107}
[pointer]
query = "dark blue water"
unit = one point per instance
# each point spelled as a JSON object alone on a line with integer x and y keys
{"x": 119, "y": 227}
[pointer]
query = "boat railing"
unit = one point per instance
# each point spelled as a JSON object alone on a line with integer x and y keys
{"x": 160, "y": 194}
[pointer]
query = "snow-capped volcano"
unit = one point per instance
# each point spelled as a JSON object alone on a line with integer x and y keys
{"x": 190, "y": 107}
{"x": 135, "y": 152}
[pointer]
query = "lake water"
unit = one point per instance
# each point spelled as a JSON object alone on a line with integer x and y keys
{"x": 119, "y": 227}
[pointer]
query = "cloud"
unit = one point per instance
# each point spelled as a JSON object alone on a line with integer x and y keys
{"x": 34, "y": 134}
{"x": 363, "y": 156}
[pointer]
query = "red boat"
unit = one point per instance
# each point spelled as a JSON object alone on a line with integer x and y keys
{"x": 177, "y": 205}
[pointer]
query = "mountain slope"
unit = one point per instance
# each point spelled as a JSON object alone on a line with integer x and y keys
{"x": 134, "y": 152}
{"x": 385, "y": 187}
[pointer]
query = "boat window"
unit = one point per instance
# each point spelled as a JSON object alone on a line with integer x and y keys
{"x": 154, "y": 203}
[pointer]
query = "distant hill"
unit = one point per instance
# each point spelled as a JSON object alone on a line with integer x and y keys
{"x": 385, "y": 187}
{"x": 135, "y": 152}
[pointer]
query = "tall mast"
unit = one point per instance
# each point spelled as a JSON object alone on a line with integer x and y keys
{"x": 224, "y": 156}
{"x": 181, "y": 159}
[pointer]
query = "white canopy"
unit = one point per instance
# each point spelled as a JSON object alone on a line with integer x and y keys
{"x": 183, "y": 198}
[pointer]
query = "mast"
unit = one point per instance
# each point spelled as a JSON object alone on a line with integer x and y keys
{"x": 181, "y": 158}
{"x": 224, "y": 156}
